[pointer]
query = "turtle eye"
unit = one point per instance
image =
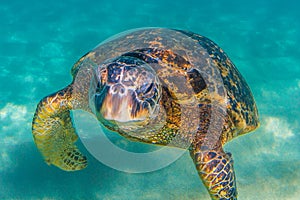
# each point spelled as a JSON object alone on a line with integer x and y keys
{"x": 146, "y": 90}
{"x": 149, "y": 88}
{"x": 150, "y": 92}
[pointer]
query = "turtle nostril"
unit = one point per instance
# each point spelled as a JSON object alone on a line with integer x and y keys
{"x": 122, "y": 91}
{"x": 118, "y": 89}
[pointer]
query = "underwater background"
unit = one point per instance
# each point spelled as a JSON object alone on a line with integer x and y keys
{"x": 41, "y": 40}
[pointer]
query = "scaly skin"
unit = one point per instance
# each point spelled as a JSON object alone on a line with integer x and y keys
{"x": 52, "y": 127}
{"x": 215, "y": 168}
{"x": 54, "y": 133}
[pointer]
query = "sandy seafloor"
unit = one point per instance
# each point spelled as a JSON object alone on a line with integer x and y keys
{"x": 41, "y": 40}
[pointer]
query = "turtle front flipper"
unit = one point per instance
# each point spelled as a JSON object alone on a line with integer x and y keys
{"x": 215, "y": 168}
{"x": 54, "y": 134}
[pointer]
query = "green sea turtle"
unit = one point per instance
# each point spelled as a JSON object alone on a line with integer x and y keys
{"x": 158, "y": 86}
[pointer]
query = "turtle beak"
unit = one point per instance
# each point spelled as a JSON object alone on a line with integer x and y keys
{"x": 121, "y": 105}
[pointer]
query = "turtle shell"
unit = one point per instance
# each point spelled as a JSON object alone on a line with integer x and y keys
{"x": 191, "y": 67}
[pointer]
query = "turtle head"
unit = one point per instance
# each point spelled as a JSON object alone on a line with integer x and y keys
{"x": 127, "y": 92}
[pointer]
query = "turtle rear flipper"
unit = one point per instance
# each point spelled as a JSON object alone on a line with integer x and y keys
{"x": 54, "y": 134}
{"x": 215, "y": 168}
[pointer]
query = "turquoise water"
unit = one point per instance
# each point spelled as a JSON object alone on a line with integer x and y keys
{"x": 41, "y": 40}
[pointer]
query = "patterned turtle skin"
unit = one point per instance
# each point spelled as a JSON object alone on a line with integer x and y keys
{"x": 158, "y": 86}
